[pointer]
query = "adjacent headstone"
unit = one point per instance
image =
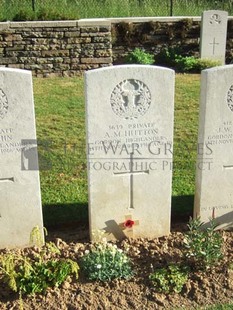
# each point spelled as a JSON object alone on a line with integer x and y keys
{"x": 214, "y": 35}
{"x": 20, "y": 200}
{"x": 214, "y": 177}
{"x": 129, "y": 116}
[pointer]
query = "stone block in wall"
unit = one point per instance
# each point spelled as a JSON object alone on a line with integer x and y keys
{"x": 75, "y": 60}
{"x": 94, "y": 34}
{"x": 62, "y": 67}
{"x": 31, "y": 66}
{"x": 39, "y": 41}
{"x": 103, "y": 45}
{"x": 17, "y": 66}
{"x": 9, "y": 60}
{"x": 72, "y": 73}
{"x": 27, "y": 60}
{"x": 46, "y": 67}
{"x": 89, "y": 30}
{"x": 42, "y": 60}
{"x": 32, "y": 47}
{"x": 71, "y": 34}
{"x": 12, "y": 37}
{"x": 98, "y": 39}
{"x": 83, "y": 67}
{"x": 55, "y": 53}
{"x": 67, "y": 60}
{"x": 15, "y": 48}
{"x": 75, "y": 51}
{"x": 6, "y": 44}
{"x": 52, "y": 34}
{"x": 78, "y": 40}
{"x": 87, "y": 52}
{"x": 99, "y": 60}
{"x": 32, "y": 34}
{"x": 103, "y": 53}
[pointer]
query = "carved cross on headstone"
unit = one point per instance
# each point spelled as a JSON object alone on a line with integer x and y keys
{"x": 214, "y": 43}
{"x": 131, "y": 173}
{"x": 128, "y": 225}
{"x": 3, "y": 180}
{"x": 228, "y": 167}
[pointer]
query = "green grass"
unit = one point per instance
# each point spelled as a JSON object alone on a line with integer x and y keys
{"x": 75, "y": 9}
{"x": 185, "y": 143}
{"x": 60, "y": 130}
{"x": 60, "y": 120}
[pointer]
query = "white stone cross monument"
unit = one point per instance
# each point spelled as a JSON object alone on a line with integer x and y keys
{"x": 129, "y": 118}
{"x": 214, "y": 174}
{"x": 213, "y": 35}
{"x": 20, "y": 200}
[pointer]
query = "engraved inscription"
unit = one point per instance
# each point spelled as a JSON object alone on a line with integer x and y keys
{"x": 130, "y": 99}
{"x": 230, "y": 98}
{"x": 215, "y": 19}
{"x": 3, "y": 104}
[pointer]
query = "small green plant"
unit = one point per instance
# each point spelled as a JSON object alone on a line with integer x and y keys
{"x": 139, "y": 56}
{"x": 105, "y": 261}
{"x": 193, "y": 64}
{"x": 186, "y": 64}
{"x": 170, "y": 279}
{"x": 203, "y": 246}
{"x": 171, "y": 57}
{"x": 44, "y": 268}
{"x": 207, "y": 63}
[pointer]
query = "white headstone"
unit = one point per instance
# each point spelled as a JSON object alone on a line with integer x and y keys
{"x": 129, "y": 116}
{"x": 214, "y": 176}
{"x": 214, "y": 35}
{"x": 20, "y": 200}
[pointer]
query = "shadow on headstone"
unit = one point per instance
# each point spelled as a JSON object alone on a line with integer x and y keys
{"x": 225, "y": 218}
{"x": 114, "y": 228}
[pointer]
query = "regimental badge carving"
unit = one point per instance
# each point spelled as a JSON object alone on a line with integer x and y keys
{"x": 215, "y": 19}
{"x": 3, "y": 104}
{"x": 130, "y": 99}
{"x": 230, "y": 98}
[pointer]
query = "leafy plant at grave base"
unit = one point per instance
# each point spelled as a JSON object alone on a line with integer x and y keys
{"x": 207, "y": 63}
{"x": 186, "y": 64}
{"x": 105, "y": 262}
{"x": 139, "y": 56}
{"x": 171, "y": 57}
{"x": 34, "y": 274}
{"x": 195, "y": 65}
{"x": 169, "y": 279}
{"x": 203, "y": 246}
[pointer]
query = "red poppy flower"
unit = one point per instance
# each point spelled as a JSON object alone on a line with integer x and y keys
{"x": 128, "y": 224}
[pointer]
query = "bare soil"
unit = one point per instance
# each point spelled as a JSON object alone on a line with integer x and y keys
{"x": 202, "y": 288}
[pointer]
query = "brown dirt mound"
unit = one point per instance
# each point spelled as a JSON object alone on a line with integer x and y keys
{"x": 202, "y": 288}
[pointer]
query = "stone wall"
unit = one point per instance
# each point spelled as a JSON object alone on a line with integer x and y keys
{"x": 64, "y": 48}
{"x": 67, "y": 48}
{"x": 154, "y": 34}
